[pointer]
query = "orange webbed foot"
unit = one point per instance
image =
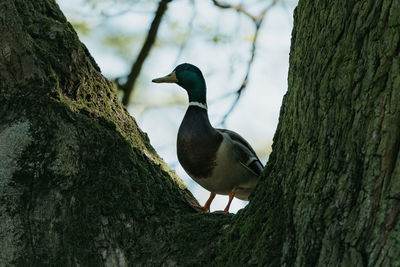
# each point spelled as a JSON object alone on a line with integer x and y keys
{"x": 195, "y": 204}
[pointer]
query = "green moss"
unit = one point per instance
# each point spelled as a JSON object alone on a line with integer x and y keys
{"x": 86, "y": 172}
{"x": 91, "y": 188}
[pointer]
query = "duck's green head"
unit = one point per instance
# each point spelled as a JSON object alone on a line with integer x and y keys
{"x": 190, "y": 78}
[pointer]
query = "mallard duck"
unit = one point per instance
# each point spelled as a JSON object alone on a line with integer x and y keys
{"x": 219, "y": 160}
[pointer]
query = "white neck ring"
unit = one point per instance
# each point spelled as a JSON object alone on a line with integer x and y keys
{"x": 198, "y": 104}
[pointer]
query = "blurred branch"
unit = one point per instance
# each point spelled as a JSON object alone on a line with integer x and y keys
{"x": 246, "y": 77}
{"x": 128, "y": 86}
{"x": 257, "y": 19}
{"x": 240, "y": 9}
{"x": 217, "y": 99}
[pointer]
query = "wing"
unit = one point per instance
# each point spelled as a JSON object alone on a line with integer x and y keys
{"x": 245, "y": 153}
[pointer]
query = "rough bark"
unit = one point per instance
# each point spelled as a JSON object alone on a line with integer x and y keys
{"x": 332, "y": 192}
{"x": 80, "y": 184}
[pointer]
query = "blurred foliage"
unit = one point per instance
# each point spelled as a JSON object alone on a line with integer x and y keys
{"x": 124, "y": 44}
{"x": 121, "y": 44}
{"x": 220, "y": 38}
{"x": 98, "y": 20}
{"x": 82, "y": 27}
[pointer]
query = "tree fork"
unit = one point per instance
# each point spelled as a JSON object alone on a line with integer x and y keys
{"x": 81, "y": 185}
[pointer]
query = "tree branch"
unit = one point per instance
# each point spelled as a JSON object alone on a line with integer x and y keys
{"x": 257, "y": 23}
{"x": 127, "y": 88}
{"x": 240, "y": 9}
{"x": 246, "y": 77}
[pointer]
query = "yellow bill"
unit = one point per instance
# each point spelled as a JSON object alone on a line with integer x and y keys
{"x": 170, "y": 78}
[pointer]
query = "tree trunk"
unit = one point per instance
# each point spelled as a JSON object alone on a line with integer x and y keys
{"x": 80, "y": 184}
{"x": 331, "y": 192}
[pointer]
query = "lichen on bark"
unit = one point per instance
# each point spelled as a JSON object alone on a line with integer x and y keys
{"x": 14, "y": 138}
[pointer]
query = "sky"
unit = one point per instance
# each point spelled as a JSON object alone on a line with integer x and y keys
{"x": 223, "y": 63}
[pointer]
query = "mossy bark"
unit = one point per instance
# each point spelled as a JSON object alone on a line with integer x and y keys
{"x": 80, "y": 184}
{"x": 331, "y": 189}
